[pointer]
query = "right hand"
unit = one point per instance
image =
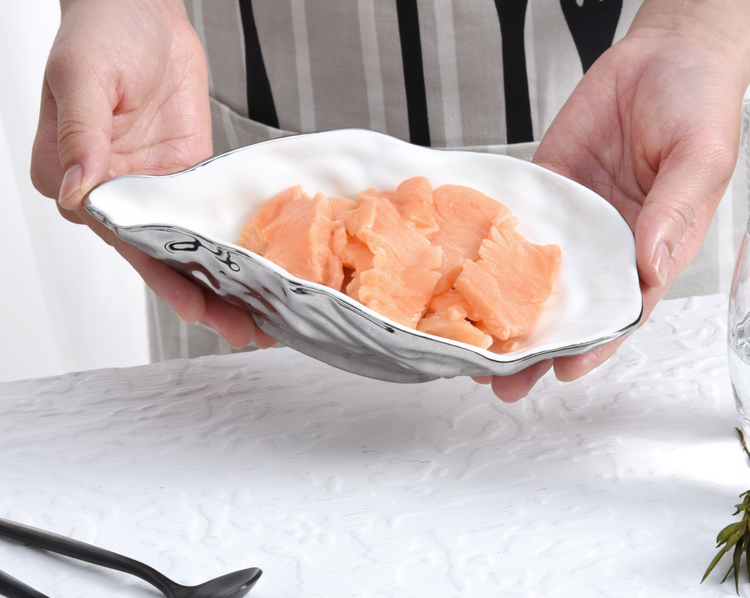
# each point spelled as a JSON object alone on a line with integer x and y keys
{"x": 654, "y": 128}
{"x": 126, "y": 90}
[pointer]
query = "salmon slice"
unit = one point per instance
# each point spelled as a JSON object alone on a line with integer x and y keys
{"x": 499, "y": 346}
{"x": 453, "y": 304}
{"x": 354, "y": 255}
{"x": 412, "y": 199}
{"x": 505, "y": 346}
{"x": 458, "y": 330}
{"x": 372, "y": 193}
{"x": 401, "y": 280}
{"x": 464, "y": 217}
{"x": 336, "y": 272}
{"x": 447, "y": 262}
{"x": 252, "y": 235}
{"x": 448, "y": 315}
{"x": 510, "y": 282}
{"x": 339, "y": 205}
{"x": 294, "y": 231}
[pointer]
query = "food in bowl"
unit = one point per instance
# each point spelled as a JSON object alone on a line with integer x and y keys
{"x": 446, "y": 261}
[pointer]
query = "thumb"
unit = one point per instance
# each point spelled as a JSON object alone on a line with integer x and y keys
{"x": 676, "y": 214}
{"x": 85, "y": 103}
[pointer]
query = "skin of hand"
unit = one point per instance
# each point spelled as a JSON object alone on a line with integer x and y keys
{"x": 653, "y": 127}
{"x": 126, "y": 90}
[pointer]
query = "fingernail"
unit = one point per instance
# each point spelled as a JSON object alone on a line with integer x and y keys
{"x": 71, "y": 183}
{"x": 661, "y": 263}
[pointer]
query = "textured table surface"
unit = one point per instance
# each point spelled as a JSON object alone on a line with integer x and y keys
{"x": 339, "y": 486}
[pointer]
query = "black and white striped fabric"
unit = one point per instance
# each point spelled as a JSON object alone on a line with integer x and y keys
{"x": 445, "y": 73}
{"x": 487, "y": 75}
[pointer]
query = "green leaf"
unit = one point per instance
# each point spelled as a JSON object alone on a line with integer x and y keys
{"x": 731, "y": 567}
{"x": 715, "y": 562}
{"x": 730, "y": 543}
{"x": 727, "y": 532}
{"x": 744, "y": 505}
{"x": 736, "y": 563}
{"x": 735, "y": 535}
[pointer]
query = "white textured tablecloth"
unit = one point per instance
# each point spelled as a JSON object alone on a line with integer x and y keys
{"x": 339, "y": 486}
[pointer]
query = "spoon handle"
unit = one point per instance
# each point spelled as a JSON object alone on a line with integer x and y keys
{"x": 12, "y": 588}
{"x": 84, "y": 552}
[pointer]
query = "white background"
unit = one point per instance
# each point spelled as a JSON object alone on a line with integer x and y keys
{"x": 68, "y": 301}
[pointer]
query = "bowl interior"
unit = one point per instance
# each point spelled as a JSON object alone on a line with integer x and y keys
{"x": 596, "y": 291}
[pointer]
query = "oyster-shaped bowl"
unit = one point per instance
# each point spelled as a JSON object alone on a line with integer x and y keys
{"x": 191, "y": 219}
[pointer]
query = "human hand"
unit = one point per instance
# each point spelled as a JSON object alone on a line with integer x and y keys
{"x": 126, "y": 90}
{"x": 654, "y": 128}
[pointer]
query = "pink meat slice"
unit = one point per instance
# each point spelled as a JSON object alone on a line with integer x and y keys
{"x": 464, "y": 217}
{"x": 401, "y": 280}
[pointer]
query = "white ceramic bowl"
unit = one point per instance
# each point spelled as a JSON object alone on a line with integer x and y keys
{"x": 191, "y": 220}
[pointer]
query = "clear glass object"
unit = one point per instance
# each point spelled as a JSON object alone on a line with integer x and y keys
{"x": 739, "y": 335}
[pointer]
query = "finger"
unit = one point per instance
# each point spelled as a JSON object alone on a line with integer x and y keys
{"x": 185, "y": 297}
{"x": 684, "y": 187}
{"x": 191, "y": 302}
{"x": 263, "y": 340}
{"x": 70, "y": 216}
{"x": 572, "y": 367}
{"x": 83, "y": 103}
{"x": 46, "y": 171}
{"x": 235, "y": 325}
{"x": 516, "y": 386}
{"x": 482, "y": 379}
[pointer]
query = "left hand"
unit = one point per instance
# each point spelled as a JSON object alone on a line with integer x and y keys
{"x": 653, "y": 127}
{"x": 126, "y": 90}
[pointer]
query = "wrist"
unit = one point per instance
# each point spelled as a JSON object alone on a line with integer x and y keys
{"x": 719, "y": 26}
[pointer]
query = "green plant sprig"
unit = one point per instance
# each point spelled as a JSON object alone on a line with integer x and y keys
{"x": 735, "y": 535}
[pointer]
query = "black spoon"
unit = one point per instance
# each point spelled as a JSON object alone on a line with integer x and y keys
{"x": 12, "y": 588}
{"x": 231, "y": 585}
